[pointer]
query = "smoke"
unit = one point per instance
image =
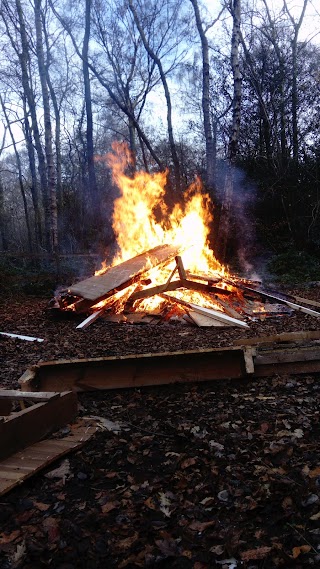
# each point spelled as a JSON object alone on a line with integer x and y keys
{"x": 245, "y": 252}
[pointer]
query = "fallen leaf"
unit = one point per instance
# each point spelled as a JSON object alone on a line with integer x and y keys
{"x": 168, "y": 547}
{"x": 188, "y": 462}
{"x": 201, "y": 526}
{"x": 296, "y": 551}
{"x": 126, "y": 543}
{"x": 313, "y": 473}
{"x": 150, "y": 503}
{"x": 109, "y": 506}
{"x": 315, "y": 517}
{"x": 51, "y": 526}
{"x": 287, "y": 503}
{"x": 62, "y": 472}
{"x": 259, "y": 553}
{"x": 42, "y": 507}
{"x": 8, "y": 538}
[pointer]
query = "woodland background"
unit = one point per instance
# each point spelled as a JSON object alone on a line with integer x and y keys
{"x": 232, "y": 96}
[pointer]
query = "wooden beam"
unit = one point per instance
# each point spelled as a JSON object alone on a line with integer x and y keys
{"x": 180, "y": 267}
{"x": 138, "y": 370}
{"x": 34, "y": 423}
{"x": 98, "y": 287}
{"x": 283, "y": 337}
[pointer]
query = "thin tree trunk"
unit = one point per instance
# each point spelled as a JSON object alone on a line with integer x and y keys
{"x": 210, "y": 149}
{"x": 24, "y": 59}
{"x": 21, "y": 185}
{"x": 155, "y": 58}
{"x": 92, "y": 182}
{"x": 53, "y": 220}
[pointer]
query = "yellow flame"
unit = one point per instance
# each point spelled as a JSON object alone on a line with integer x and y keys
{"x": 141, "y": 219}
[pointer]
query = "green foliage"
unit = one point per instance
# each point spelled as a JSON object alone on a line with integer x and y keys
{"x": 294, "y": 267}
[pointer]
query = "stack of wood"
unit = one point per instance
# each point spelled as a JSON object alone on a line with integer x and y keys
{"x": 237, "y": 301}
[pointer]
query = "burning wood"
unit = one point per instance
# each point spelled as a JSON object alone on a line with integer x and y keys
{"x": 147, "y": 267}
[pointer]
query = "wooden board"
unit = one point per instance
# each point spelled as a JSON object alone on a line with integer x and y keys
{"x": 28, "y": 426}
{"x": 98, "y": 287}
{"x": 203, "y": 321}
{"x": 21, "y": 465}
{"x": 137, "y": 370}
{"x": 283, "y": 337}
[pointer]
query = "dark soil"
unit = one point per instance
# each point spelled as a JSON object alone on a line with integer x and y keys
{"x": 223, "y": 474}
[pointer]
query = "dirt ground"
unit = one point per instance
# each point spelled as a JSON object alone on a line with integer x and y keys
{"x": 224, "y": 474}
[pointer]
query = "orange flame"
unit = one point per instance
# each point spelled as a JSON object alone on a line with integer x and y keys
{"x": 141, "y": 219}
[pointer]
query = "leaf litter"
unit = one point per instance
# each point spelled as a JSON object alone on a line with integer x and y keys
{"x": 223, "y": 474}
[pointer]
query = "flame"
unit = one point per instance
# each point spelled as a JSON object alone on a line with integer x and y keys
{"x": 141, "y": 219}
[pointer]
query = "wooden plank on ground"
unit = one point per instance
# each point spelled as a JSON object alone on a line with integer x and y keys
{"x": 21, "y": 465}
{"x": 115, "y": 278}
{"x": 92, "y": 318}
{"x": 34, "y": 423}
{"x": 283, "y": 337}
{"x": 20, "y": 337}
{"x": 139, "y": 370}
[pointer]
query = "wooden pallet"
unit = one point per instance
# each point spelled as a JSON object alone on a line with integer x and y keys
{"x": 21, "y": 465}
{"x": 26, "y": 418}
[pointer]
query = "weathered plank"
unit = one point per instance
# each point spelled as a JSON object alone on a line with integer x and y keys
{"x": 139, "y": 370}
{"x": 282, "y": 337}
{"x": 99, "y": 286}
{"x": 21, "y": 465}
{"x": 28, "y": 426}
{"x": 204, "y": 321}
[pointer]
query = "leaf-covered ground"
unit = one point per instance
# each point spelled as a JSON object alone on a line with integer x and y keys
{"x": 223, "y": 474}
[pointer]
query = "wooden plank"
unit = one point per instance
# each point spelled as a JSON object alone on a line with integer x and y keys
{"x": 306, "y": 301}
{"x": 92, "y": 318}
{"x": 204, "y": 321}
{"x": 139, "y": 370}
{"x": 228, "y": 309}
{"x": 286, "y": 302}
{"x": 208, "y": 312}
{"x": 20, "y": 337}
{"x": 15, "y": 394}
{"x": 97, "y": 287}
{"x": 34, "y": 423}
{"x": 20, "y": 466}
{"x": 180, "y": 267}
{"x": 282, "y": 337}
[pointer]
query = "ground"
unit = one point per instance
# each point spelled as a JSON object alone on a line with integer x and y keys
{"x": 223, "y": 474}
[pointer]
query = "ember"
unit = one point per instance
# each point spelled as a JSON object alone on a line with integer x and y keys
{"x": 165, "y": 267}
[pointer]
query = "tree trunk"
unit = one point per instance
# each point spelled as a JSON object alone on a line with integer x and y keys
{"x": 20, "y": 178}
{"x": 225, "y": 213}
{"x": 92, "y": 183}
{"x": 53, "y": 217}
{"x": 155, "y": 58}
{"x": 24, "y": 59}
{"x": 210, "y": 149}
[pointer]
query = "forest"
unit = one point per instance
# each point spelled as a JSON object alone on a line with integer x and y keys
{"x": 225, "y": 91}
